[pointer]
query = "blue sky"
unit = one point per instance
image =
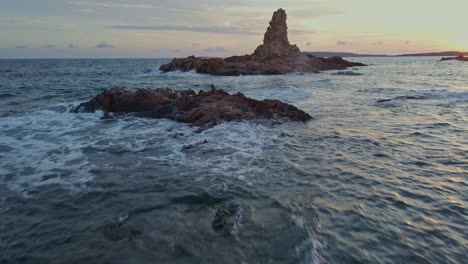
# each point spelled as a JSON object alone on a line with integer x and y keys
{"x": 149, "y": 28}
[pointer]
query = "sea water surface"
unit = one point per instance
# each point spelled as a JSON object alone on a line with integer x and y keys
{"x": 380, "y": 175}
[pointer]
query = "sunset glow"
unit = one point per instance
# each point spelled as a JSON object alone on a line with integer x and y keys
{"x": 150, "y": 28}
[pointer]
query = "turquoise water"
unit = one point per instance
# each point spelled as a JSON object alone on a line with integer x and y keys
{"x": 379, "y": 176}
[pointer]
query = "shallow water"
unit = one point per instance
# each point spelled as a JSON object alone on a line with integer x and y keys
{"x": 366, "y": 181}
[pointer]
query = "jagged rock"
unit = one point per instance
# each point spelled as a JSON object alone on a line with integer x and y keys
{"x": 227, "y": 219}
{"x": 204, "y": 109}
{"x": 276, "y": 40}
{"x": 275, "y": 56}
{"x": 459, "y": 58}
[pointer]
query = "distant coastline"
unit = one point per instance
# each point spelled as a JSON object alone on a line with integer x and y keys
{"x": 348, "y": 54}
{"x": 313, "y": 53}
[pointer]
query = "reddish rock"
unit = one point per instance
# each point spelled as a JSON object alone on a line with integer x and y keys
{"x": 275, "y": 56}
{"x": 275, "y": 41}
{"x": 459, "y": 58}
{"x": 204, "y": 109}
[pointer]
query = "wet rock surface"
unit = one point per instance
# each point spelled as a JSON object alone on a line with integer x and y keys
{"x": 347, "y": 73}
{"x": 204, "y": 109}
{"x": 458, "y": 58}
{"x": 227, "y": 219}
{"x": 404, "y": 97}
{"x": 275, "y": 56}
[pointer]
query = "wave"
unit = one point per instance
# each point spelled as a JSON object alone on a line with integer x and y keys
{"x": 37, "y": 158}
{"x": 6, "y": 95}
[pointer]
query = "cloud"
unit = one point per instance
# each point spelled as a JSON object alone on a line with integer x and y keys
{"x": 220, "y": 30}
{"x": 116, "y": 5}
{"x": 195, "y": 44}
{"x": 214, "y": 49}
{"x": 315, "y": 11}
{"x": 22, "y": 47}
{"x": 104, "y": 45}
{"x": 340, "y": 42}
{"x": 86, "y": 11}
{"x": 294, "y": 31}
{"x": 73, "y": 46}
{"x": 378, "y": 43}
{"x": 50, "y": 46}
{"x": 407, "y": 42}
{"x": 130, "y": 6}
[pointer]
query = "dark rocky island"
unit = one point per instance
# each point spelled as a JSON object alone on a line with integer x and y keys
{"x": 275, "y": 56}
{"x": 458, "y": 58}
{"x": 204, "y": 109}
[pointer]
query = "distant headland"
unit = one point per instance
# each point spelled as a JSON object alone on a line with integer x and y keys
{"x": 350, "y": 55}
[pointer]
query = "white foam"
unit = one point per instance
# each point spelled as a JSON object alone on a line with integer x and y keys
{"x": 42, "y": 150}
{"x": 175, "y": 74}
{"x": 49, "y": 147}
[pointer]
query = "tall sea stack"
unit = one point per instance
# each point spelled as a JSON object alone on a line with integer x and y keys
{"x": 275, "y": 56}
{"x": 276, "y": 40}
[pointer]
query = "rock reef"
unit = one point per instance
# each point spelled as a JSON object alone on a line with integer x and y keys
{"x": 275, "y": 56}
{"x": 227, "y": 219}
{"x": 347, "y": 73}
{"x": 458, "y": 58}
{"x": 204, "y": 109}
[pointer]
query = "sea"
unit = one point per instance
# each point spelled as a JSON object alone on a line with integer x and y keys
{"x": 380, "y": 175}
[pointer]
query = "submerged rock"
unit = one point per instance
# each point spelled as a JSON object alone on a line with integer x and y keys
{"x": 119, "y": 230}
{"x": 227, "y": 220}
{"x": 187, "y": 148}
{"x": 348, "y": 73}
{"x": 275, "y": 56}
{"x": 459, "y": 58}
{"x": 404, "y": 97}
{"x": 204, "y": 109}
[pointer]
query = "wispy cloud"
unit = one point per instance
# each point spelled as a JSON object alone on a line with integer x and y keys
{"x": 219, "y": 30}
{"x": 340, "y": 42}
{"x": 104, "y": 45}
{"x": 215, "y": 49}
{"x": 131, "y": 6}
{"x": 116, "y": 5}
{"x": 86, "y": 11}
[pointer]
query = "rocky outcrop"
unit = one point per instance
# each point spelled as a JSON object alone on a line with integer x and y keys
{"x": 275, "y": 41}
{"x": 275, "y": 56}
{"x": 203, "y": 109}
{"x": 459, "y": 58}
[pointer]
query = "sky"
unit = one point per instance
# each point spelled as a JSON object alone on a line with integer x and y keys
{"x": 178, "y": 28}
